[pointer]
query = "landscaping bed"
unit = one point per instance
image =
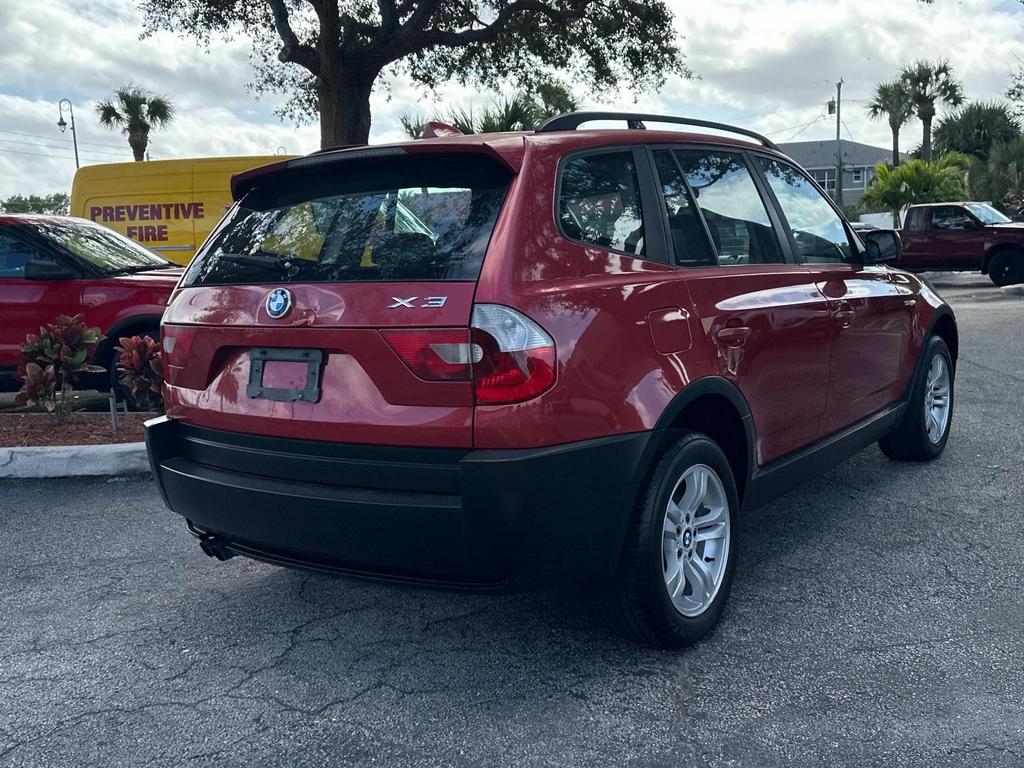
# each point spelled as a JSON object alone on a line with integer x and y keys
{"x": 18, "y": 430}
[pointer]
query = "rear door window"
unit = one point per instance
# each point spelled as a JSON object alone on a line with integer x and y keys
{"x": 732, "y": 206}
{"x": 392, "y": 218}
{"x": 689, "y": 238}
{"x": 599, "y": 202}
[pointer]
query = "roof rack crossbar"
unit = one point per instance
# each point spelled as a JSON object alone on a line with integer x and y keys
{"x": 573, "y": 120}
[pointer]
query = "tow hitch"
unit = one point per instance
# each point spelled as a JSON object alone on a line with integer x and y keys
{"x": 212, "y": 544}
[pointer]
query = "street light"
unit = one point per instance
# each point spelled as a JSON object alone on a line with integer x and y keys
{"x": 62, "y": 124}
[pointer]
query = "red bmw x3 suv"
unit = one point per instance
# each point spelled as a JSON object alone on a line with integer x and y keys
{"x": 510, "y": 361}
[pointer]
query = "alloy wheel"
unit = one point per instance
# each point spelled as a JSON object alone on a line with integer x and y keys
{"x": 937, "y": 399}
{"x": 695, "y": 540}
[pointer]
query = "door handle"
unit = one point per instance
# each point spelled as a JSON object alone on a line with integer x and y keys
{"x": 735, "y": 336}
{"x": 910, "y": 302}
{"x": 844, "y": 314}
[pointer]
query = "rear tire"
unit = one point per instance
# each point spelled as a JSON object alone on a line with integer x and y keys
{"x": 923, "y": 431}
{"x": 1007, "y": 268}
{"x": 678, "y": 560}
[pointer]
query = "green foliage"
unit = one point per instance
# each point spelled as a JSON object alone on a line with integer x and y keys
{"x": 916, "y": 181}
{"x": 57, "y": 204}
{"x": 521, "y": 112}
{"x": 52, "y": 360}
{"x": 327, "y": 56}
{"x": 925, "y": 83}
{"x": 975, "y": 128}
{"x": 1001, "y": 178}
{"x": 140, "y": 364}
{"x": 135, "y": 111}
{"x": 892, "y": 101}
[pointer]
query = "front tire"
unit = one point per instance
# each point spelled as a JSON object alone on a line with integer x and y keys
{"x": 677, "y": 564}
{"x": 1007, "y": 268}
{"x": 922, "y": 433}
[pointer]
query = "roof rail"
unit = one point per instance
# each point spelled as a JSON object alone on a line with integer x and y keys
{"x": 573, "y": 120}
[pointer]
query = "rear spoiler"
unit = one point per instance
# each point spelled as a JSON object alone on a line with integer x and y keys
{"x": 243, "y": 183}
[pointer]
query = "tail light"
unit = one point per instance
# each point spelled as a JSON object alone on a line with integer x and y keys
{"x": 507, "y": 355}
{"x": 516, "y": 358}
{"x": 442, "y": 354}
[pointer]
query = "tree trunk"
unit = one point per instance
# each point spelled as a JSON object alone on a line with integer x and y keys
{"x": 138, "y": 141}
{"x": 926, "y": 112}
{"x": 895, "y": 145}
{"x": 344, "y": 95}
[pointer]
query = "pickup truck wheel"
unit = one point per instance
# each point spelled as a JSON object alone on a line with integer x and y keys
{"x": 924, "y": 429}
{"x": 678, "y": 561}
{"x": 1007, "y": 268}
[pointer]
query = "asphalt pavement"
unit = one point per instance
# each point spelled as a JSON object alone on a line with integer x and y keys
{"x": 876, "y": 620}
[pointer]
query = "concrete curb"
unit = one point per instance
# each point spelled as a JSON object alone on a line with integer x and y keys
{"x": 74, "y": 460}
{"x": 1013, "y": 290}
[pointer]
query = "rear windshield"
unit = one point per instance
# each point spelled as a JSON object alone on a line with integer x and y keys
{"x": 386, "y": 218}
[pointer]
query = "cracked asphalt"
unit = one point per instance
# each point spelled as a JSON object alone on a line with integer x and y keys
{"x": 876, "y": 619}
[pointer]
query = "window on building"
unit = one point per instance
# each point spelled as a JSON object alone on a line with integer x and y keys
{"x": 600, "y": 202}
{"x": 858, "y": 176}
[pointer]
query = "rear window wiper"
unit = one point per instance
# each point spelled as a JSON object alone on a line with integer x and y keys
{"x": 256, "y": 260}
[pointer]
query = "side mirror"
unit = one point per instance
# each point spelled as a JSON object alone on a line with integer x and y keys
{"x": 883, "y": 246}
{"x": 45, "y": 269}
{"x": 974, "y": 224}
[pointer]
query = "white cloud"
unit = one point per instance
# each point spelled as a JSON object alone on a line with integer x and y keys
{"x": 767, "y": 64}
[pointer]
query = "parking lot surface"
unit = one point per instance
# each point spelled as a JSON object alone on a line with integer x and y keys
{"x": 876, "y": 619}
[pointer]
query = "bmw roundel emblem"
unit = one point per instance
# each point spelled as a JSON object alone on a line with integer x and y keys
{"x": 279, "y": 301}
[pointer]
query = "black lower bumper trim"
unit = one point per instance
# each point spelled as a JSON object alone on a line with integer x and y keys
{"x": 478, "y": 520}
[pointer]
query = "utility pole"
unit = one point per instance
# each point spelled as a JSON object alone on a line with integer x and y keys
{"x": 837, "y": 107}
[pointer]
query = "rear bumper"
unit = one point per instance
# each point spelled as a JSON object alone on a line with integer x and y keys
{"x": 480, "y": 520}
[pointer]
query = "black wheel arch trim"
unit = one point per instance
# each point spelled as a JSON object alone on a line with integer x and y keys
{"x": 708, "y": 385}
{"x": 118, "y": 329}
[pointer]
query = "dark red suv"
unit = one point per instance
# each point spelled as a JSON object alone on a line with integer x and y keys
{"x": 509, "y": 361}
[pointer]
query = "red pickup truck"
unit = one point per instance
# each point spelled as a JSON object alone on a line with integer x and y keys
{"x": 52, "y": 265}
{"x": 963, "y": 236}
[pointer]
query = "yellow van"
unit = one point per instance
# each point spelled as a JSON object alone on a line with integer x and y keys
{"x": 169, "y": 206}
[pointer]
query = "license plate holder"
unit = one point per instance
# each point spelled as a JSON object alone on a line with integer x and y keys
{"x": 258, "y": 359}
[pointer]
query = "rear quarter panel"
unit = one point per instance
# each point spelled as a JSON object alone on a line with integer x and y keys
{"x": 597, "y": 305}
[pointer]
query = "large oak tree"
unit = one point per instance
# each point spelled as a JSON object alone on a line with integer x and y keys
{"x": 327, "y": 55}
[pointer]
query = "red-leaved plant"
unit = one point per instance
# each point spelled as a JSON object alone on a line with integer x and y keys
{"x": 141, "y": 367}
{"x": 51, "y": 361}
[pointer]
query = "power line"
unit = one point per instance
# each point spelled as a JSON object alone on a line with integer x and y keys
{"x": 38, "y": 145}
{"x": 35, "y": 154}
{"x": 41, "y": 136}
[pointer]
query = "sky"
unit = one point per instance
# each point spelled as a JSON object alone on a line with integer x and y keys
{"x": 770, "y": 65}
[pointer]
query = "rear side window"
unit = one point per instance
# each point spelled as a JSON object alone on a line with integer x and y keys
{"x": 732, "y": 206}
{"x": 916, "y": 218}
{"x": 599, "y": 202}
{"x": 387, "y": 218}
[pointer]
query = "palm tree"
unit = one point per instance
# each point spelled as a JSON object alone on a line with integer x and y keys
{"x": 976, "y": 128}
{"x": 135, "y": 111}
{"x": 927, "y": 82}
{"x": 892, "y": 100}
{"x": 916, "y": 181}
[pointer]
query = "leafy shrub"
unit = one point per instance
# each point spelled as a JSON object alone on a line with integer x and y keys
{"x": 141, "y": 367}
{"x": 51, "y": 361}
